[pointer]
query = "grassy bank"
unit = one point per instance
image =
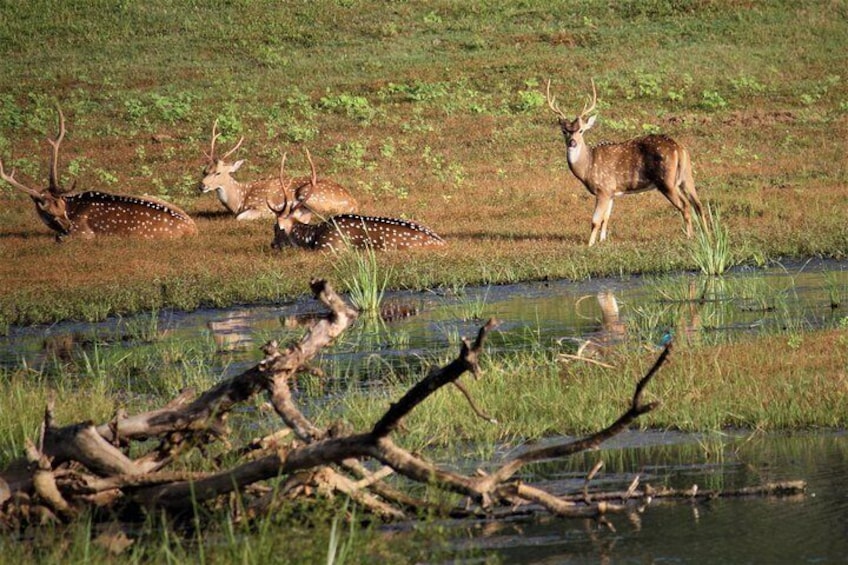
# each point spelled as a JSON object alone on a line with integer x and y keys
{"x": 430, "y": 111}
{"x": 705, "y": 387}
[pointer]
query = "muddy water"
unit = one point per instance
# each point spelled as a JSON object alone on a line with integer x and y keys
{"x": 569, "y": 316}
{"x": 812, "y": 528}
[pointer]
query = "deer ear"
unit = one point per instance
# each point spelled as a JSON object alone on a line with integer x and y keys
{"x": 590, "y": 122}
{"x": 304, "y": 214}
{"x": 236, "y": 165}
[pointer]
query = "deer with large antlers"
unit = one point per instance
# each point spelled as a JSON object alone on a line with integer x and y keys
{"x": 93, "y": 213}
{"x": 610, "y": 169}
{"x": 247, "y": 200}
{"x": 344, "y": 230}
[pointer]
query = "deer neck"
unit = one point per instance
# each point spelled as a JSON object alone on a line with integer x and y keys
{"x": 580, "y": 160}
{"x": 303, "y": 235}
{"x": 232, "y": 195}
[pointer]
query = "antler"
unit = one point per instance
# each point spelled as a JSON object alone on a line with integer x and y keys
{"x": 588, "y": 111}
{"x": 215, "y": 135}
{"x": 53, "y": 176}
{"x": 14, "y": 182}
{"x": 555, "y": 108}
{"x": 286, "y": 187}
{"x": 54, "y": 187}
{"x": 313, "y": 181}
{"x": 552, "y": 102}
{"x": 234, "y": 149}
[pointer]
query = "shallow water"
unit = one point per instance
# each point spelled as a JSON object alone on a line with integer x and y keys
{"x": 560, "y": 314}
{"x": 812, "y": 528}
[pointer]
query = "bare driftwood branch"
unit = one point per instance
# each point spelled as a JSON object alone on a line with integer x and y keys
{"x": 82, "y": 465}
{"x": 467, "y": 361}
{"x": 637, "y": 409}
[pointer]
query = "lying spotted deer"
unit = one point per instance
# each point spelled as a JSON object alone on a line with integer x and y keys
{"x": 609, "y": 169}
{"x": 247, "y": 200}
{"x": 90, "y": 214}
{"x": 345, "y": 230}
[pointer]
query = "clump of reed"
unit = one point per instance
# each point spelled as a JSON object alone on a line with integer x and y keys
{"x": 363, "y": 278}
{"x": 710, "y": 249}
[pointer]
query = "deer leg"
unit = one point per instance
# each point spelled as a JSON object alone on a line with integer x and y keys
{"x": 251, "y": 214}
{"x": 605, "y": 223}
{"x": 687, "y": 187}
{"x": 601, "y": 207}
{"x": 672, "y": 193}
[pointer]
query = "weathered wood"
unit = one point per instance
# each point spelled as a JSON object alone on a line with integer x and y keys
{"x": 467, "y": 361}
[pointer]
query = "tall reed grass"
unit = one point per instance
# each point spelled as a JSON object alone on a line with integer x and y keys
{"x": 710, "y": 250}
{"x": 363, "y": 278}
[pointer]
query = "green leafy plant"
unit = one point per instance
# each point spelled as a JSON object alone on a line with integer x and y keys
{"x": 712, "y": 100}
{"x": 530, "y": 98}
{"x": 353, "y": 106}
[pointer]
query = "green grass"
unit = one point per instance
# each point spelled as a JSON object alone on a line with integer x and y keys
{"x": 433, "y": 112}
{"x": 705, "y": 387}
{"x": 363, "y": 278}
{"x": 306, "y": 533}
{"x": 429, "y": 112}
{"x": 711, "y": 247}
{"x": 710, "y": 384}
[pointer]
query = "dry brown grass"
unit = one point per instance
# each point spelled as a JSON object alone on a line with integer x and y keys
{"x": 517, "y": 207}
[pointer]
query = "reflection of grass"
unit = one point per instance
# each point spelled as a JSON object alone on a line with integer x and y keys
{"x": 836, "y": 288}
{"x": 143, "y": 327}
{"x": 472, "y": 308}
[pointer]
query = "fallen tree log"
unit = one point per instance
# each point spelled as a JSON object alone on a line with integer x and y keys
{"x": 85, "y": 465}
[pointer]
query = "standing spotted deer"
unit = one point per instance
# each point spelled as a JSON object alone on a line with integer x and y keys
{"x": 247, "y": 200}
{"x": 90, "y": 214}
{"x": 609, "y": 169}
{"x": 344, "y": 230}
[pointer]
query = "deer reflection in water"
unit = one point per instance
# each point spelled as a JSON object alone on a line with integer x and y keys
{"x": 232, "y": 333}
{"x": 641, "y": 325}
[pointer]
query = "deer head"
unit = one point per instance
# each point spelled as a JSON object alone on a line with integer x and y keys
{"x": 292, "y": 211}
{"x": 573, "y": 130}
{"x": 50, "y": 202}
{"x": 217, "y": 175}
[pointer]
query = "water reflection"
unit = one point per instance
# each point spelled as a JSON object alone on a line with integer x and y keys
{"x": 587, "y": 318}
{"x": 233, "y": 331}
{"x": 610, "y": 331}
{"x": 801, "y": 529}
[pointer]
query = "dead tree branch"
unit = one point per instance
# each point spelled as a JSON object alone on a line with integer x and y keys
{"x": 81, "y": 464}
